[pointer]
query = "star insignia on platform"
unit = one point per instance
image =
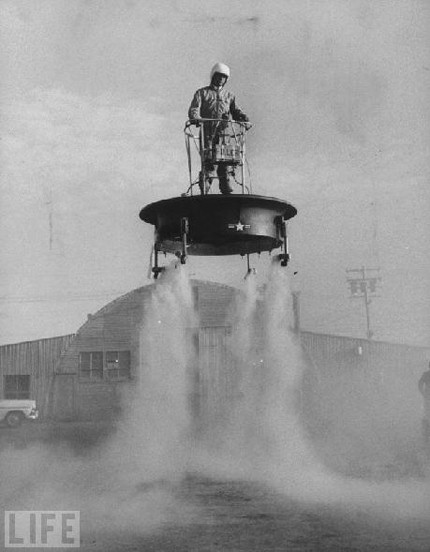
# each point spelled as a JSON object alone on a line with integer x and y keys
{"x": 239, "y": 226}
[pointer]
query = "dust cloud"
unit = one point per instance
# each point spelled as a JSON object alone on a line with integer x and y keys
{"x": 128, "y": 484}
{"x": 266, "y": 439}
{"x": 157, "y": 422}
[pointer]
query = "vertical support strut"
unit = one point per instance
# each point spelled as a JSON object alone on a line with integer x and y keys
{"x": 185, "y": 228}
{"x": 202, "y": 175}
{"x": 249, "y": 269}
{"x": 156, "y": 269}
{"x": 242, "y": 160}
{"x": 284, "y": 257}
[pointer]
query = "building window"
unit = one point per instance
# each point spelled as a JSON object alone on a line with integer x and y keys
{"x": 112, "y": 365}
{"x": 91, "y": 365}
{"x": 117, "y": 365}
{"x": 16, "y": 387}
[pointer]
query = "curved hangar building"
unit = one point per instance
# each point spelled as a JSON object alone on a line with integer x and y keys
{"x": 104, "y": 356}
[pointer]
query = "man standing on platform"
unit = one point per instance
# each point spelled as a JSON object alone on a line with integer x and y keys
{"x": 215, "y": 102}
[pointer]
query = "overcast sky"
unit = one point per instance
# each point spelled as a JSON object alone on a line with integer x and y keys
{"x": 94, "y": 95}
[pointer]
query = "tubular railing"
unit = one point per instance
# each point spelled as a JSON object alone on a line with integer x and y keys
{"x": 217, "y": 142}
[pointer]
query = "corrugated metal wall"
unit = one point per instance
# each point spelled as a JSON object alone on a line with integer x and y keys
{"x": 114, "y": 328}
{"x": 384, "y": 359}
{"x": 117, "y": 327}
{"x": 216, "y": 374}
{"x": 365, "y": 391}
{"x": 389, "y": 369}
{"x": 39, "y": 359}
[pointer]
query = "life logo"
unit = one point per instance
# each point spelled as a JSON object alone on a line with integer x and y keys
{"x": 42, "y": 529}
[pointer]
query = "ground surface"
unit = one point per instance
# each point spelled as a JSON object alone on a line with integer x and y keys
{"x": 247, "y": 518}
{"x": 228, "y": 516}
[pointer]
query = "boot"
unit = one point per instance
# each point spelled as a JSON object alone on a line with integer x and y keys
{"x": 225, "y": 186}
{"x": 224, "y": 179}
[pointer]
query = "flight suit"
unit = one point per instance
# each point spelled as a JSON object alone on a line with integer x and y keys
{"x": 212, "y": 103}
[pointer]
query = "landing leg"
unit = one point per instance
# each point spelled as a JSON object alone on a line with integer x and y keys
{"x": 184, "y": 233}
{"x": 284, "y": 257}
{"x": 250, "y": 270}
{"x": 157, "y": 270}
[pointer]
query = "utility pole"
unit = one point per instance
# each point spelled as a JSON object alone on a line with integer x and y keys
{"x": 363, "y": 284}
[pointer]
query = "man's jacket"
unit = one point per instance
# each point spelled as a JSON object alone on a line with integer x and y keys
{"x": 209, "y": 103}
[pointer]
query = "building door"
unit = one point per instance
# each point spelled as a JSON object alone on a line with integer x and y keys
{"x": 216, "y": 383}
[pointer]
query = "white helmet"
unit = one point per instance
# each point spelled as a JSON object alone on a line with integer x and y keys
{"x": 220, "y": 68}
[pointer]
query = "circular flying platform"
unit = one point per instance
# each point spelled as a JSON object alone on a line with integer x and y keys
{"x": 234, "y": 224}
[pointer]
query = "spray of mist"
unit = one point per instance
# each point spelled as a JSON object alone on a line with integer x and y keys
{"x": 128, "y": 484}
{"x": 263, "y": 430}
{"x": 264, "y": 440}
{"x": 158, "y": 418}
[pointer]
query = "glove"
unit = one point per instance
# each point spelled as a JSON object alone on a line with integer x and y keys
{"x": 195, "y": 122}
{"x": 243, "y": 118}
